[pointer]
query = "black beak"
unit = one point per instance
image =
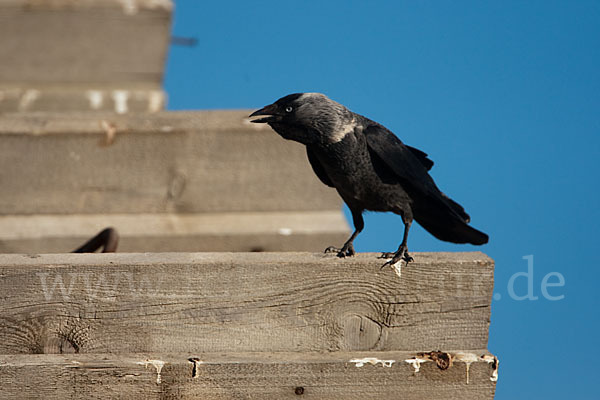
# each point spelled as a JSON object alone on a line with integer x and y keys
{"x": 269, "y": 111}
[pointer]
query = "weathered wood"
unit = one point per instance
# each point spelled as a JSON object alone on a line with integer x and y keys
{"x": 72, "y": 42}
{"x": 216, "y": 302}
{"x": 249, "y": 376}
{"x": 243, "y": 231}
{"x": 186, "y": 162}
{"x": 121, "y": 99}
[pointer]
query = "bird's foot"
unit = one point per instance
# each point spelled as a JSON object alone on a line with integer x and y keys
{"x": 400, "y": 255}
{"x": 346, "y": 251}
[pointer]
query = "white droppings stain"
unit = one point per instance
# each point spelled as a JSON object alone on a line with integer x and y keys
{"x": 398, "y": 268}
{"x": 28, "y": 98}
{"x": 158, "y": 364}
{"x": 284, "y": 231}
{"x": 155, "y": 101}
{"x": 166, "y": 128}
{"x": 468, "y": 359}
{"x": 120, "y": 98}
{"x": 373, "y": 361}
{"x": 130, "y": 7}
{"x": 96, "y": 98}
{"x": 416, "y": 363}
{"x": 490, "y": 360}
{"x": 165, "y": 4}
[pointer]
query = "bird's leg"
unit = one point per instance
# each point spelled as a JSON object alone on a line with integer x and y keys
{"x": 347, "y": 249}
{"x": 402, "y": 252}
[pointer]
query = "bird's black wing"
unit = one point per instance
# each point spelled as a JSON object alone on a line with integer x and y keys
{"x": 410, "y": 165}
{"x": 422, "y": 156}
{"x": 436, "y": 212}
{"x": 318, "y": 168}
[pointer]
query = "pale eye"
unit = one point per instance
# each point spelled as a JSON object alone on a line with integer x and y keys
{"x": 288, "y": 109}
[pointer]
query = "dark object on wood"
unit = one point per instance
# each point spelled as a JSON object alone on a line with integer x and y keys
{"x": 108, "y": 239}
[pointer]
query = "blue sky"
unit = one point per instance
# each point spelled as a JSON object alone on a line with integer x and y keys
{"x": 505, "y": 98}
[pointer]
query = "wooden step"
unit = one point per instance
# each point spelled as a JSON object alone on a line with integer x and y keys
{"x": 83, "y": 42}
{"x": 288, "y": 375}
{"x": 245, "y": 325}
{"x": 216, "y": 302}
{"x": 120, "y": 99}
{"x": 234, "y": 231}
{"x": 167, "y": 162}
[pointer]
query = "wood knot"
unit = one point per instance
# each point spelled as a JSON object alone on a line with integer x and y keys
{"x": 48, "y": 335}
{"x": 361, "y": 332}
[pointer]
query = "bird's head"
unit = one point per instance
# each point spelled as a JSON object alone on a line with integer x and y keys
{"x": 308, "y": 118}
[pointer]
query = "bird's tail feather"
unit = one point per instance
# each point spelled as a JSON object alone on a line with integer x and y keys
{"x": 457, "y": 208}
{"x": 447, "y": 220}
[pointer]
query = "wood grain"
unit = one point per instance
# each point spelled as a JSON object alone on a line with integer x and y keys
{"x": 216, "y": 302}
{"x": 242, "y": 376}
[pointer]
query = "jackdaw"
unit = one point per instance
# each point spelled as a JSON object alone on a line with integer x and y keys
{"x": 370, "y": 168}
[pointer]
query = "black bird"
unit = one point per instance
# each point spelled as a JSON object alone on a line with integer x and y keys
{"x": 370, "y": 168}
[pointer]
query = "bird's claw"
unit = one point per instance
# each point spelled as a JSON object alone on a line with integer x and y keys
{"x": 343, "y": 252}
{"x": 400, "y": 255}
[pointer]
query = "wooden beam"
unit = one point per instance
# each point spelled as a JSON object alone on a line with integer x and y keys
{"x": 167, "y": 162}
{"x": 216, "y": 302}
{"x": 98, "y": 43}
{"x": 241, "y": 231}
{"x": 340, "y": 375}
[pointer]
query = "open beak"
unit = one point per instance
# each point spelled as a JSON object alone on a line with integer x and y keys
{"x": 270, "y": 113}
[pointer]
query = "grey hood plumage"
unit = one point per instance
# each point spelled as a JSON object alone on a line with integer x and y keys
{"x": 308, "y": 118}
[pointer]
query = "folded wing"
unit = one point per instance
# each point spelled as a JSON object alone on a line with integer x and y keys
{"x": 437, "y": 213}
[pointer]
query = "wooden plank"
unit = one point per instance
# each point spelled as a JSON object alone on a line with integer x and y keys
{"x": 72, "y": 42}
{"x": 245, "y": 231}
{"x": 120, "y": 99}
{"x": 186, "y": 162}
{"x": 248, "y": 376}
{"x": 215, "y": 302}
